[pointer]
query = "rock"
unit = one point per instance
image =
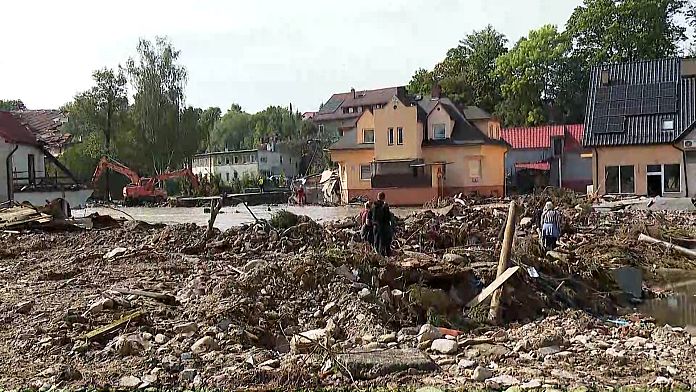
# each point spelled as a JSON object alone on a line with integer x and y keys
{"x": 533, "y": 384}
{"x": 368, "y": 338}
{"x": 330, "y": 308}
{"x": 305, "y": 341}
{"x": 635, "y": 342}
{"x": 160, "y": 338}
{"x": 188, "y": 374}
{"x": 187, "y": 356}
{"x": 129, "y": 382}
{"x": 224, "y": 325}
{"x": 492, "y": 351}
{"x": 424, "y": 345}
{"x": 318, "y": 314}
{"x": 366, "y": 366}
{"x": 481, "y": 374}
{"x": 429, "y": 389}
{"x": 24, "y": 307}
{"x": 428, "y": 332}
{"x": 372, "y": 346}
{"x": 271, "y": 363}
{"x": 446, "y": 361}
{"x": 254, "y": 264}
{"x": 466, "y": 364}
{"x": 453, "y": 258}
{"x": 80, "y": 347}
{"x": 204, "y": 344}
{"x": 562, "y": 257}
{"x": 546, "y": 351}
{"x": 693, "y": 341}
{"x": 387, "y": 338}
{"x": 186, "y": 328}
{"x": 445, "y": 346}
{"x": 526, "y": 222}
{"x": 99, "y": 306}
{"x": 615, "y": 353}
{"x": 365, "y": 294}
{"x": 114, "y": 253}
{"x": 345, "y": 272}
{"x": 150, "y": 378}
{"x": 504, "y": 380}
{"x": 672, "y": 370}
{"x": 662, "y": 381}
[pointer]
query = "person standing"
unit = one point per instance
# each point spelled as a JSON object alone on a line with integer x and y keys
{"x": 550, "y": 226}
{"x": 382, "y": 225}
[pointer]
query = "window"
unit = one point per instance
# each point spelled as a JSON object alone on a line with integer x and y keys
{"x": 672, "y": 178}
{"x": 400, "y": 136}
{"x": 365, "y": 172}
{"x": 227, "y": 160}
{"x": 236, "y": 175}
{"x": 655, "y": 169}
{"x": 619, "y": 179}
{"x": 668, "y": 125}
{"x": 227, "y": 176}
{"x": 379, "y": 106}
{"x": 252, "y": 157}
{"x": 390, "y": 136}
{"x": 368, "y": 136}
{"x": 321, "y": 128}
{"x": 557, "y": 147}
{"x": 236, "y": 159}
{"x": 281, "y": 159}
{"x": 351, "y": 110}
{"x": 263, "y": 159}
{"x": 475, "y": 168}
{"x": 439, "y": 131}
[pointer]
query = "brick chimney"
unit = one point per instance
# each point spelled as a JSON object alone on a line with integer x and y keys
{"x": 436, "y": 91}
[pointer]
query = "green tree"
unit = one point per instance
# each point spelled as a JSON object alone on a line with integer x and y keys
{"x": 12, "y": 104}
{"x": 481, "y": 49}
{"x": 626, "y": 30}
{"x": 159, "y": 83}
{"x": 421, "y": 82}
{"x": 207, "y": 122}
{"x": 232, "y": 130}
{"x": 531, "y": 75}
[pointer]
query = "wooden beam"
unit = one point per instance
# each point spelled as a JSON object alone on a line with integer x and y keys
{"x": 680, "y": 249}
{"x": 494, "y": 314}
{"x": 492, "y": 287}
{"x": 96, "y": 333}
{"x": 165, "y": 298}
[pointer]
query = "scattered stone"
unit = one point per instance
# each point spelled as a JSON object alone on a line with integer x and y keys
{"x": 387, "y": 338}
{"x": 254, "y": 264}
{"x": 24, "y": 307}
{"x": 186, "y": 328}
{"x": 372, "y": 346}
{"x": 533, "y": 384}
{"x": 118, "y": 251}
{"x": 365, "y": 294}
{"x": 204, "y": 344}
{"x": 428, "y": 332}
{"x": 446, "y": 361}
{"x": 453, "y": 258}
{"x": 330, "y": 308}
{"x": 80, "y": 347}
{"x": 481, "y": 374}
{"x": 466, "y": 364}
{"x": 526, "y": 222}
{"x": 160, "y": 338}
{"x": 129, "y": 382}
{"x": 504, "y": 380}
{"x": 189, "y": 374}
{"x": 368, "y": 338}
{"x": 546, "y": 351}
{"x": 445, "y": 346}
{"x": 693, "y": 340}
{"x": 99, "y": 306}
{"x": 635, "y": 342}
{"x": 271, "y": 363}
{"x": 366, "y": 366}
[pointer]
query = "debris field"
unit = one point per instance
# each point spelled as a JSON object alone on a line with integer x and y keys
{"x": 291, "y": 303}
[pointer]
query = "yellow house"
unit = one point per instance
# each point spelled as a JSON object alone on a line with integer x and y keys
{"x": 415, "y": 150}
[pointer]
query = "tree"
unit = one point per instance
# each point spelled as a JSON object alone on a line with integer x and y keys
{"x": 531, "y": 74}
{"x": 207, "y": 122}
{"x": 421, "y": 82}
{"x": 12, "y": 104}
{"x": 627, "y": 30}
{"x": 159, "y": 84}
{"x": 481, "y": 49}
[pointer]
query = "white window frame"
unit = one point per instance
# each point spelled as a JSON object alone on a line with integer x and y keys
{"x": 661, "y": 173}
{"x": 390, "y": 136}
{"x": 365, "y": 130}
{"x": 369, "y": 166}
{"x": 321, "y": 128}
{"x": 400, "y": 136}
{"x": 619, "y": 179}
{"x": 444, "y": 132}
{"x": 668, "y": 125}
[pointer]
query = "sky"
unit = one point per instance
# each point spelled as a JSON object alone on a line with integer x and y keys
{"x": 255, "y": 53}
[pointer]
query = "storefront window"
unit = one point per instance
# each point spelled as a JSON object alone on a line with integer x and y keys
{"x": 672, "y": 178}
{"x": 627, "y": 180}
{"x": 611, "y": 181}
{"x": 619, "y": 179}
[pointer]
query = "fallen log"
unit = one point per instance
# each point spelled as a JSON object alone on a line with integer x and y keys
{"x": 497, "y": 283}
{"x": 684, "y": 251}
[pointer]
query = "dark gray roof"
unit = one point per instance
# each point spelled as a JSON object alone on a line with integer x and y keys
{"x": 641, "y": 128}
{"x": 333, "y": 108}
{"x": 349, "y": 141}
{"x": 475, "y": 113}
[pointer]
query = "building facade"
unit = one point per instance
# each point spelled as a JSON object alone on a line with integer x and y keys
{"x": 550, "y": 155}
{"x": 640, "y": 127}
{"x": 418, "y": 148}
{"x": 271, "y": 159}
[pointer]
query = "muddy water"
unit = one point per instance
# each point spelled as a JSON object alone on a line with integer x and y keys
{"x": 231, "y": 216}
{"x": 678, "y": 309}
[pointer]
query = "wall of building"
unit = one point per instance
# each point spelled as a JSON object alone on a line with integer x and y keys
{"x": 349, "y": 162}
{"x": 439, "y": 116}
{"x": 332, "y": 128}
{"x": 277, "y": 163}
{"x": 405, "y": 117}
{"x": 576, "y": 172}
{"x": 366, "y": 121}
{"x": 691, "y": 173}
{"x": 227, "y": 172}
{"x": 20, "y": 165}
{"x": 457, "y": 171}
{"x": 524, "y": 155}
{"x": 397, "y": 196}
{"x": 640, "y": 157}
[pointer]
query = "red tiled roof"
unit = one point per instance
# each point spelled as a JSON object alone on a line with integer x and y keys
{"x": 13, "y": 131}
{"x": 46, "y": 126}
{"x": 540, "y": 137}
{"x": 542, "y": 165}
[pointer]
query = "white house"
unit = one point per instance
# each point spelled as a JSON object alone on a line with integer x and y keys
{"x": 28, "y": 172}
{"x": 272, "y": 159}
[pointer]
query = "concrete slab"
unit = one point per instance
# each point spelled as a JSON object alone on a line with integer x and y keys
{"x": 366, "y": 366}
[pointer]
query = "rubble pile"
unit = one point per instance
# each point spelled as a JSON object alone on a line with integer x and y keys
{"x": 294, "y": 303}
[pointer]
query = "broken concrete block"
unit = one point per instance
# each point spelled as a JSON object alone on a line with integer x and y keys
{"x": 129, "y": 382}
{"x": 428, "y": 332}
{"x": 371, "y": 365}
{"x": 204, "y": 344}
{"x": 445, "y": 346}
{"x": 24, "y": 307}
{"x": 481, "y": 374}
{"x": 186, "y": 328}
{"x": 453, "y": 258}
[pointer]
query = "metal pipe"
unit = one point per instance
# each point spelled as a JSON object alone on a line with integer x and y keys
{"x": 8, "y": 166}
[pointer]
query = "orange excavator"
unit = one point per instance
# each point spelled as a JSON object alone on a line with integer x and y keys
{"x": 142, "y": 189}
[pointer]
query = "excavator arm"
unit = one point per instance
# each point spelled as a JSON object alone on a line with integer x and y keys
{"x": 180, "y": 173}
{"x": 107, "y": 163}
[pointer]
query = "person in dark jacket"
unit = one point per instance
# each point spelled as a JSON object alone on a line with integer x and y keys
{"x": 382, "y": 225}
{"x": 367, "y": 232}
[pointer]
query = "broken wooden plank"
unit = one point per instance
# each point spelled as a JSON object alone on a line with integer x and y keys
{"x": 680, "y": 249}
{"x": 165, "y": 298}
{"x": 96, "y": 333}
{"x": 498, "y": 282}
{"x": 494, "y": 313}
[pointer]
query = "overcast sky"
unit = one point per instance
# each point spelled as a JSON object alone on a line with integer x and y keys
{"x": 255, "y": 53}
